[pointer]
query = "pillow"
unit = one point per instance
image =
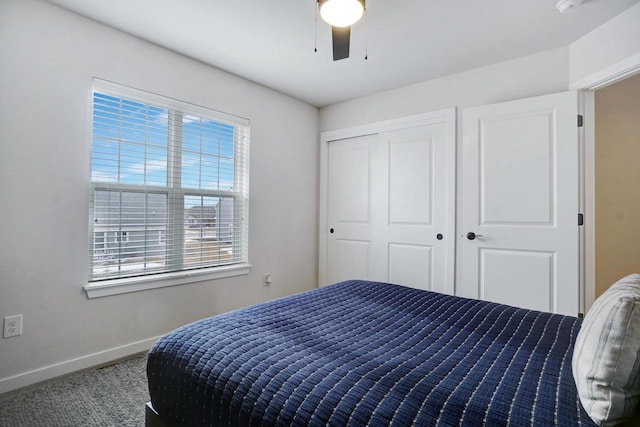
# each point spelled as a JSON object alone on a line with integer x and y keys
{"x": 606, "y": 355}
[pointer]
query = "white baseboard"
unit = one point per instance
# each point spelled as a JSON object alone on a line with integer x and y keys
{"x": 45, "y": 373}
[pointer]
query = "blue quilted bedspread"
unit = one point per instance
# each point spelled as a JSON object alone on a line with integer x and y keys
{"x": 363, "y": 353}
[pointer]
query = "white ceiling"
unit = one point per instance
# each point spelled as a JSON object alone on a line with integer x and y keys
{"x": 272, "y": 42}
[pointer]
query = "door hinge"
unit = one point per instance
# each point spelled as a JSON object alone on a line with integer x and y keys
{"x": 580, "y": 120}
{"x": 580, "y": 219}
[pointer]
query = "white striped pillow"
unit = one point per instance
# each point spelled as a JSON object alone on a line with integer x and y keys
{"x": 606, "y": 357}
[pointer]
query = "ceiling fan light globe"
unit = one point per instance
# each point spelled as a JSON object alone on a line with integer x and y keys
{"x": 341, "y": 13}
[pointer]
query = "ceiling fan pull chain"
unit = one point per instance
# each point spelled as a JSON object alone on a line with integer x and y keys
{"x": 366, "y": 34}
{"x": 315, "y": 42}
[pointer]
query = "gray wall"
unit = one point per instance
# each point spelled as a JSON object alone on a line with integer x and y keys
{"x": 47, "y": 60}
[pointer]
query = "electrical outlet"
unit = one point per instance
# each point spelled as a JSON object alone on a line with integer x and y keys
{"x": 267, "y": 279}
{"x": 12, "y": 326}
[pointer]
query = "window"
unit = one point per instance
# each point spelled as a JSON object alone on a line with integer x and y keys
{"x": 122, "y": 236}
{"x": 169, "y": 189}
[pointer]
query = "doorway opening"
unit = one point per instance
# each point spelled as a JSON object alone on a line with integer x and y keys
{"x": 617, "y": 179}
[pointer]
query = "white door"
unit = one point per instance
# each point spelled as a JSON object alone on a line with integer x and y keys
{"x": 353, "y": 204}
{"x": 389, "y": 208}
{"x": 520, "y": 200}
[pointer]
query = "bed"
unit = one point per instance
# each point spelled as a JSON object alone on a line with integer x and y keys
{"x": 365, "y": 353}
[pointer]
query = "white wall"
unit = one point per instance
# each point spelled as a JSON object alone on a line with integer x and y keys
{"x": 610, "y": 46}
{"x": 614, "y": 47}
{"x": 533, "y": 75}
{"x": 47, "y": 60}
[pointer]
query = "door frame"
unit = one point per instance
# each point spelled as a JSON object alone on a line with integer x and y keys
{"x": 446, "y": 116}
{"x": 587, "y": 87}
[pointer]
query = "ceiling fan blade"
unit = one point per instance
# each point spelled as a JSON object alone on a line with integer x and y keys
{"x": 340, "y": 36}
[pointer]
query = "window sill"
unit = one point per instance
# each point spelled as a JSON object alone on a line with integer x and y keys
{"x": 143, "y": 283}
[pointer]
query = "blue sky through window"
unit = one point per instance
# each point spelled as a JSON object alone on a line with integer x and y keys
{"x": 150, "y": 165}
{"x": 130, "y": 146}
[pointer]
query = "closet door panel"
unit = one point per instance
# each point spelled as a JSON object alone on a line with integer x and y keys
{"x": 389, "y": 206}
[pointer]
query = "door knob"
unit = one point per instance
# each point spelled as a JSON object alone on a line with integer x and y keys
{"x": 472, "y": 236}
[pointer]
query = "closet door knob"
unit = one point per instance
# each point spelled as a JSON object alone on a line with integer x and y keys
{"x": 472, "y": 236}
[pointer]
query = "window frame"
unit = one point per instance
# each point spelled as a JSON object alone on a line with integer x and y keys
{"x": 176, "y": 195}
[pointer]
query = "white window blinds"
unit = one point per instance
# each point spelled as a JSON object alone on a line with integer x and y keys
{"x": 170, "y": 185}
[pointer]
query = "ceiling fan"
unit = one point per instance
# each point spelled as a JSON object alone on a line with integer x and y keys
{"x": 341, "y": 15}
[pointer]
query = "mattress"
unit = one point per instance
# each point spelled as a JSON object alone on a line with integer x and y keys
{"x": 366, "y": 353}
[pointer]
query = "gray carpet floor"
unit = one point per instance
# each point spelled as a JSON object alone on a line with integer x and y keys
{"x": 111, "y": 395}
